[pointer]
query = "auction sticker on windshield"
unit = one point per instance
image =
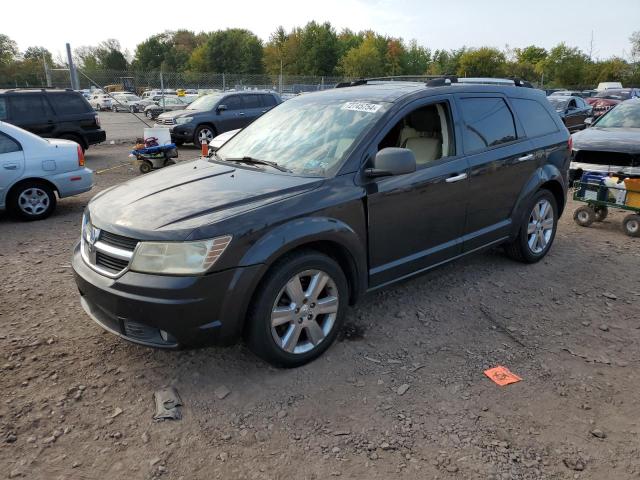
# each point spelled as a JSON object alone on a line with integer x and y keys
{"x": 361, "y": 107}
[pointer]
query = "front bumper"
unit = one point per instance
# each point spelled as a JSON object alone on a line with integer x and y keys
{"x": 167, "y": 311}
{"x": 183, "y": 133}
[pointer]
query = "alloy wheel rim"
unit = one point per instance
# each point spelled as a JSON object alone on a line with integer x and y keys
{"x": 304, "y": 312}
{"x": 540, "y": 227}
{"x": 34, "y": 201}
{"x": 205, "y": 134}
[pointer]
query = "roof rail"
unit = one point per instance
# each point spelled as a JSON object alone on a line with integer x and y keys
{"x": 438, "y": 80}
{"x": 41, "y": 89}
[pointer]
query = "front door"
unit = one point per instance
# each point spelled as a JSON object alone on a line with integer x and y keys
{"x": 416, "y": 220}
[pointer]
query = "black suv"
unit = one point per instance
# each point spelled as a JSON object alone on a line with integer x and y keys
{"x": 52, "y": 113}
{"x": 217, "y": 113}
{"x": 327, "y": 196}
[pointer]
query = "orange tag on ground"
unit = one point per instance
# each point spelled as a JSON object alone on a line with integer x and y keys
{"x": 501, "y": 375}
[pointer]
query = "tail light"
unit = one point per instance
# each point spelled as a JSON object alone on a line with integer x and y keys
{"x": 570, "y": 144}
{"x": 80, "y": 157}
{"x": 97, "y": 120}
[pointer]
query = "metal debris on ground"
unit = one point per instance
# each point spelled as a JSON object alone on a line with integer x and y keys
{"x": 167, "y": 402}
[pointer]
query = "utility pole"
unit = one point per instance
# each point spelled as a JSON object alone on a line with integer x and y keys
{"x": 72, "y": 70}
{"x": 591, "y": 47}
{"x": 47, "y": 73}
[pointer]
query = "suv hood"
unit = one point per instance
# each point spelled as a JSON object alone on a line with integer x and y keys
{"x": 179, "y": 113}
{"x": 172, "y": 202}
{"x": 626, "y": 140}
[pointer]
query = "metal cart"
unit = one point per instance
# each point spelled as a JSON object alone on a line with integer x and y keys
{"x": 599, "y": 198}
{"x": 159, "y": 156}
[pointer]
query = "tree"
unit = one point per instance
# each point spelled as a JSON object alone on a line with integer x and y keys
{"x": 37, "y": 54}
{"x": 446, "y": 62}
{"x": 364, "y": 60}
{"x": 347, "y": 40}
{"x": 318, "y": 49}
{"x": 234, "y": 50}
{"x": 482, "y": 62}
{"x": 282, "y": 50}
{"x": 395, "y": 56}
{"x": 531, "y": 54}
{"x": 417, "y": 59}
{"x": 8, "y": 49}
{"x": 150, "y": 54}
{"x": 565, "y": 66}
{"x": 171, "y": 50}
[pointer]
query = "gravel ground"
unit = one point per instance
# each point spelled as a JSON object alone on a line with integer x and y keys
{"x": 401, "y": 395}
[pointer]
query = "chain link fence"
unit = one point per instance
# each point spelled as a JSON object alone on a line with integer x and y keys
{"x": 145, "y": 80}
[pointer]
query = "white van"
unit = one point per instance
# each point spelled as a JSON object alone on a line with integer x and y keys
{"x": 608, "y": 85}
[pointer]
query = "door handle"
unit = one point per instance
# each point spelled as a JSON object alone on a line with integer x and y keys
{"x": 241, "y": 113}
{"x": 526, "y": 158}
{"x": 456, "y": 178}
{"x": 10, "y": 166}
{"x": 264, "y": 111}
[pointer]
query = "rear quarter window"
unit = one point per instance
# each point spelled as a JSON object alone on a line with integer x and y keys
{"x": 488, "y": 123}
{"x": 69, "y": 104}
{"x": 534, "y": 117}
{"x": 3, "y": 108}
{"x": 8, "y": 144}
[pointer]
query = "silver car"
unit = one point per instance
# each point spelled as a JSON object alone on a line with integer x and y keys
{"x": 34, "y": 169}
{"x": 128, "y": 102}
{"x": 170, "y": 103}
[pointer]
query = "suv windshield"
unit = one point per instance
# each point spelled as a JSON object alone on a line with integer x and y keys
{"x": 205, "y": 103}
{"x": 625, "y": 115}
{"x": 614, "y": 94}
{"x": 307, "y": 135}
{"x": 559, "y": 102}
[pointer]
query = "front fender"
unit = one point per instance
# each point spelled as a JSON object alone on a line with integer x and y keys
{"x": 547, "y": 173}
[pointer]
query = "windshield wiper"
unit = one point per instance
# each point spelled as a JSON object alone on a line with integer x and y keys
{"x": 257, "y": 161}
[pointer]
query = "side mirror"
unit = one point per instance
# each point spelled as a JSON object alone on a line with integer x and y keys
{"x": 588, "y": 121}
{"x": 221, "y": 108}
{"x": 392, "y": 161}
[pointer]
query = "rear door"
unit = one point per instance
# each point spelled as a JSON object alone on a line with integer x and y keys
{"x": 32, "y": 112}
{"x": 73, "y": 112}
{"x": 501, "y": 160}
{"x": 268, "y": 102}
{"x": 11, "y": 161}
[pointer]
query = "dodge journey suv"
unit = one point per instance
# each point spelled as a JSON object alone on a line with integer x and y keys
{"x": 325, "y": 197}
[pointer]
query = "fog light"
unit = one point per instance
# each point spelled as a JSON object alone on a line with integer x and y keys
{"x": 164, "y": 335}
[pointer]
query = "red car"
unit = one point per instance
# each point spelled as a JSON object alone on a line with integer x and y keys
{"x": 605, "y": 100}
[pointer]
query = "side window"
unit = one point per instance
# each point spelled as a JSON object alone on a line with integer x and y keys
{"x": 3, "y": 108}
{"x": 233, "y": 102}
{"x": 572, "y": 104}
{"x": 580, "y": 102}
{"x": 425, "y": 131}
{"x": 488, "y": 122}
{"x": 534, "y": 117}
{"x": 68, "y": 103}
{"x": 27, "y": 107}
{"x": 8, "y": 144}
{"x": 252, "y": 101}
{"x": 268, "y": 100}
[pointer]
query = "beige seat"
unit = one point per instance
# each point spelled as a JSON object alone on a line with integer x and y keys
{"x": 421, "y": 135}
{"x": 425, "y": 149}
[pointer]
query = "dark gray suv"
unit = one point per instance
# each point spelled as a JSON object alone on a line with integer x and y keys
{"x": 325, "y": 197}
{"x": 217, "y": 113}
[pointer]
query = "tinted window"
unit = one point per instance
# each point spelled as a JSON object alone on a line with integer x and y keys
{"x": 233, "y": 103}
{"x": 252, "y": 101}
{"x": 489, "y": 122}
{"x": 68, "y": 103}
{"x": 3, "y": 109}
{"x": 580, "y": 102}
{"x": 534, "y": 117}
{"x": 27, "y": 107}
{"x": 268, "y": 100}
{"x": 8, "y": 145}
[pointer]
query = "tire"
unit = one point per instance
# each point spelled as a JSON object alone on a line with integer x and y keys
{"x": 145, "y": 166}
{"x": 201, "y": 132}
{"x": 114, "y": 109}
{"x": 32, "y": 200}
{"x": 601, "y": 213}
{"x": 149, "y": 115}
{"x": 538, "y": 229}
{"x": 270, "y": 342}
{"x": 133, "y": 109}
{"x": 584, "y": 216}
{"x": 631, "y": 225}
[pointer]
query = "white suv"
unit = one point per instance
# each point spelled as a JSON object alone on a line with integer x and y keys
{"x": 100, "y": 101}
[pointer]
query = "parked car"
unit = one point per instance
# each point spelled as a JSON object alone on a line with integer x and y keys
{"x": 567, "y": 93}
{"x": 213, "y": 114}
{"x": 128, "y": 102}
{"x": 156, "y": 93}
{"x": 101, "y": 101}
{"x": 603, "y": 101}
{"x": 573, "y": 110}
{"x": 219, "y": 140}
{"x": 171, "y": 103}
{"x": 52, "y": 113}
{"x": 602, "y": 86}
{"x": 35, "y": 169}
{"x": 327, "y": 196}
{"x": 611, "y": 145}
{"x": 588, "y": 93}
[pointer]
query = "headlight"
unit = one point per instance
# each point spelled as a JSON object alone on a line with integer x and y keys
{"x": 178, "y": 258}
{"x": 181, "y": 120}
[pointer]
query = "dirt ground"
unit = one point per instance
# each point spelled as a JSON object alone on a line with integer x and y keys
{"x": 401, "y": 395}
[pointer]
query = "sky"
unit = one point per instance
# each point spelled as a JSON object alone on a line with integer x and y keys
{"x": 434, "y": 24}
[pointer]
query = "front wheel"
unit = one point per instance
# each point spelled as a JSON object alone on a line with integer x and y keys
{"x": 537, "y": 231}
{"x": 149, "y": 114}
{"x": 32, "y": 200}
{"x": 631, "y": 225}
{"x": 298, "y": 309}
{"x": 601, "y": 213}
{"x": 204, "y": 133}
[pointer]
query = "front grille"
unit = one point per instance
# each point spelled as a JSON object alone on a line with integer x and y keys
{"x": 112, "y": 264}
{"x": 118, "y": 240}
{"x": 166, "y": 121}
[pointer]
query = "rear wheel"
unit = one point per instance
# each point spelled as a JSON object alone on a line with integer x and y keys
{"x": 114, "y": 109}
{"x": 145, "y": 166}
{"x": 584, "y": 216}
{"x": 298, "y": 309}
{"x": 537, "y": 231}
{"x": 32, "y": 200}
{"x": 149, "y": 114}
{"x": 631, "y": 225}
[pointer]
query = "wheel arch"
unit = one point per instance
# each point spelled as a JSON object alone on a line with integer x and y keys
{"x": 22, "y": 181}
